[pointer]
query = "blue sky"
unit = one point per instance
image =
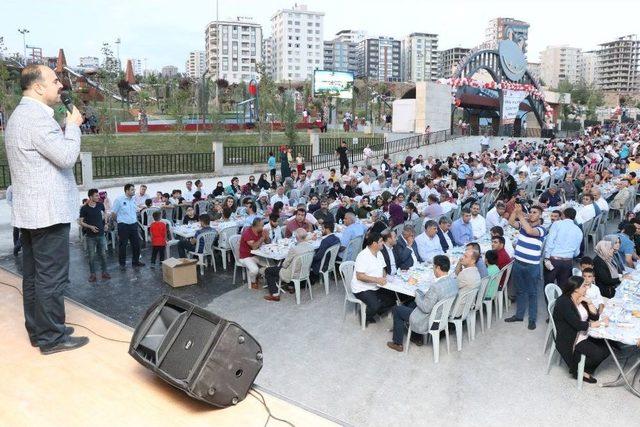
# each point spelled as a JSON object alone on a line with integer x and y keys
{"x": 164, "y": 31}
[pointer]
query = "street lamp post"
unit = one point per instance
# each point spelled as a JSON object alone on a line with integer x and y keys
{"x": 24, "y": 32}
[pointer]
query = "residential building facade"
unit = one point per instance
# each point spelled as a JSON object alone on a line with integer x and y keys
{"x": 169, "y": 71}
{"x": 449, "y": 59}
{"x": 196, "y": 64}
{"x": 233, "y": 48}
{"x": 298, "y": 47}
{"x": 618, "y": 65}
{"x": 380, "y": 59}
{"x": 508, "y": 29}
{"x": 267, "y": 56}
{"x": 420, "y": 57}
{"x": 559, "y": 63}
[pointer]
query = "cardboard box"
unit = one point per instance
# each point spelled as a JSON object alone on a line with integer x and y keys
{"x": 178, "y": 272}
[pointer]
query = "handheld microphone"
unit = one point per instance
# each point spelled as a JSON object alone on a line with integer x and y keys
{"x": 65, "y": 97}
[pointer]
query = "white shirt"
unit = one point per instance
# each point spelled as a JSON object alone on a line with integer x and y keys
{"x": 585, "y": 213}
{"x": 428, "y": 247}
{"x": 593, "y": 293}
{"x": 418, "y": 168}
{"x": 493, "y": 219}
{"x": 370, "y": 265}
{"x": 366, "y": 188}
{"x": 484, "y": 141}
{"x": 478, "y": 225}
{"x": 447, "y": 206}
{"x": 602, "y": 203}
{"x": 392, "y": 259}
{"x": 139, "y": 200}
{"x": 187, "y": 196}
{"x": 426, "y": 191}
{"x": 276, "y": 234}
{"x": 276, "y": 198}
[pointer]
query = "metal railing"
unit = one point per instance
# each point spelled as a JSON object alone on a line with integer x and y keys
{"x": 5, "y": 175}
{"x": 256, "y": 154}
{"x": 152, "y": 164}
{"x": 328, "y": 144}
{"x": 329, "y": 160}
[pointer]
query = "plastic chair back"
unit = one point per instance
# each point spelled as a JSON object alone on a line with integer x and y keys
{"x": 301, "y": 266}
{"x": 234, "y": 245}
{"x": 201, "y": 207}
{"x": 170, "y": 235}
{"x": 346, "y": 272}
{"x": 353, "y": 249}
{"x": 225, "y": 237}
{"x": 552, "y": 292}
{"x": 207, "y": 238}
{"x": 440, "y": 313}
{"x": 482, "y": 290}
{"x": 331, "y": 254}
{"x": 463, "y": 303}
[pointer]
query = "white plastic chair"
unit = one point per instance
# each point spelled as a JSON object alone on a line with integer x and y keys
{"x": 554, "y": 355}
{"x": 552, "y": 292}
{"x": 346, "y": 272}
{"x": 463, "y": 304}
{"x": 477, "y": 308}
{"x": 490, "y": 303}
{"x": 440, "y": 314}
{"x": 300, "y": 267}
{"x": 352, "y": 250}
{"x": 146, "y": 217}
{"x": 201, "y": 207}
{"x": 223, "y": 245}
{"x": 206, "y": 239}
{"x": 234, "y": 245}
{"x": 171, "y": 240}
{"x": 331, "y": 254}
{"x": 503, "y": 294}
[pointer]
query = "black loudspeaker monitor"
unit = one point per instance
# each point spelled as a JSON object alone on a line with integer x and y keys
{"x": 206, "y": 356}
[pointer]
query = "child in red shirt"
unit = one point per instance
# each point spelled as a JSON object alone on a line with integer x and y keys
{"x": 158, "y": 231}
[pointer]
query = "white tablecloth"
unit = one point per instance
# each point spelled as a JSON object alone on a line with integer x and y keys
{"x": 623, "y": 325}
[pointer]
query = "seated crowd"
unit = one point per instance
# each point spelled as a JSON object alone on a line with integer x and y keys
{"x": 417, "y": 211}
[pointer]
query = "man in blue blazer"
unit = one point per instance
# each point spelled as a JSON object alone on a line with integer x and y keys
{"x": 407, "y": 241}
{"x": 444, "y": 234}
{"x": 328, "y": 240}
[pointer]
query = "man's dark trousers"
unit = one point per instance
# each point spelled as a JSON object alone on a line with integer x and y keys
{"x": 45, "y": 274}
{"x": 128, "y": 232}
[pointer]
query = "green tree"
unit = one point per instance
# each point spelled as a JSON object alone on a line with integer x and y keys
{"x": 267, "y": 92}
{"x": 289, "y": 117}
{"x": 177, "y": 103}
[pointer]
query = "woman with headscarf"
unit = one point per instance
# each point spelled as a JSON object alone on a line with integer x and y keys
{"x": 605, "y": 270}
{"x": 285, "y": 169}
{"x": 263, "y": 184}
{"x": 618, "y": 257}
{"x": 219, "y": 190}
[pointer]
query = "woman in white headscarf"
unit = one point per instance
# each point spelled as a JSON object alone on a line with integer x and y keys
{"x": 606, "y": 273}
{"x": 618, "y": 258}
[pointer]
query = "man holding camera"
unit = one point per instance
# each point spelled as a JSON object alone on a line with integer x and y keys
{"x": 528, "y": 255}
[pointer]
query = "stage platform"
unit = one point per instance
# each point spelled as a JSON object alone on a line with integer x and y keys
{"x": 101, "y": 385}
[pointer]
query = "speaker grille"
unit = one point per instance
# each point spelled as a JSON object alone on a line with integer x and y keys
{"x": 188, "y": 347}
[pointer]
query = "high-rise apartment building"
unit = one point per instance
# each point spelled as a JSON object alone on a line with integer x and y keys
{"x": 508, "y": 29}
{"x": 449, "y": 59}
{"x": 233, "y": 48}
{"x": 137, "y": 67}
{"x": 169, "y": 71}
{"x": 267, "y": 55}
{"x": 196, "y": 64}
{"x": 589, "y": 69}
{"x": 618, "y": 65}
{"x": 89, "y": 62}
{"x": 298, "y": 47}
{"x": 559, "y": 63}
{"x": 420, "y": 57}
{"x": 380, "y": 59}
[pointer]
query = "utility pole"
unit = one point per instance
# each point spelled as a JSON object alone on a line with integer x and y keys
{"x": 24, "y": 31}
{"x": 118, "y": 54}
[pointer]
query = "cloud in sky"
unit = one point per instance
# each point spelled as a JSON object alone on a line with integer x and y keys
{"x": 165, "y": 31}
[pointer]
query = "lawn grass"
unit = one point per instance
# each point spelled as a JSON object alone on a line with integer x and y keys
{"x": 165, "y": 143}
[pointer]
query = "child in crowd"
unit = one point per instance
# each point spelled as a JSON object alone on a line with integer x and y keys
{"x": 190, "y": 216}
{"x": 491, "y": 261}
{"x": 585, "y": 262}
{"x": 158, "y": 231}
{"x": 593, "y": 292}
